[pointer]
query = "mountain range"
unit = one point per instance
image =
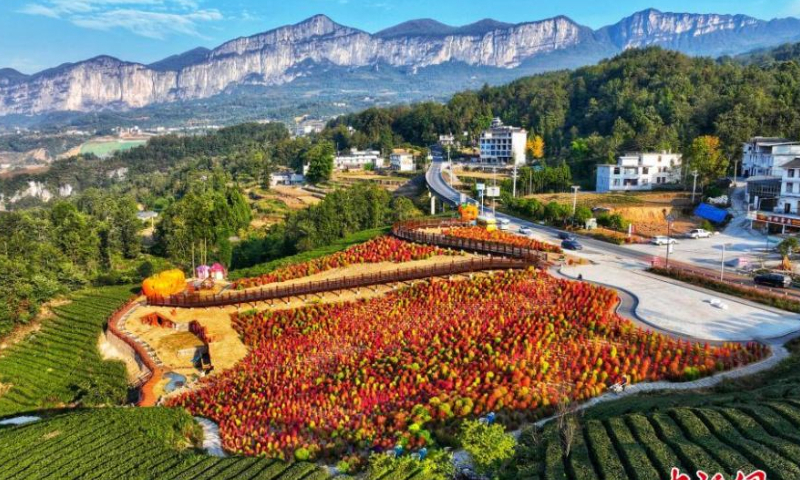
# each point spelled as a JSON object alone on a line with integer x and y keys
{"x": 315, "y": 47}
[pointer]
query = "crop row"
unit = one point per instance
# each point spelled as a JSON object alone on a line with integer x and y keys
{"x": 726, "y": 439}
{"x": 126, "y": 443}
{"x": 60, "y": 363}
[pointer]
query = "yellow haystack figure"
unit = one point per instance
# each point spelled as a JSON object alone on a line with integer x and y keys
{"x": 786, "y": 264}
{"x": 165, "y": 283}
{"x": 468, "y": 211}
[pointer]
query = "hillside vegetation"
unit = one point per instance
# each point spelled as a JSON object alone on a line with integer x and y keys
{"x": 649, "y": 99}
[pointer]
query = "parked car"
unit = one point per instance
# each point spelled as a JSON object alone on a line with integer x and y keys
{"x": 526, "y": 231}
{"x": 571, "y": 244}
{"x": 773, "y": 280}
{"x": 698, "y": 233}
{"x": 566, "y": 236}
{"x": 663, "y": 240}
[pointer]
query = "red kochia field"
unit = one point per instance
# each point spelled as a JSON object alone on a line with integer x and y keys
{"x": 380, "y": 249}
{"x": 374, "y": 373}
{"x": 480, "y": 233}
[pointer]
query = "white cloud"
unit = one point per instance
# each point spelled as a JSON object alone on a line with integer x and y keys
{"x": 148, "y": 18}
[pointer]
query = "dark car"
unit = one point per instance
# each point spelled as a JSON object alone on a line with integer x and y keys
{"x": 773, "y": 280}
{"x": 566, "y": 236}
{"x": 571, "y": 244}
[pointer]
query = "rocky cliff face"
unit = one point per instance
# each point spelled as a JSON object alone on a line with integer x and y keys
{"x": 700, "y": 34}
{"x": 269, "y": 58}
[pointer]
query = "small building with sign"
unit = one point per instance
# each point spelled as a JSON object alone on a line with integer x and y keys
{"x": 786, "y": 212}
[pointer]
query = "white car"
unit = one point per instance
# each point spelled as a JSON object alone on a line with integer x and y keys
{"x": 663, "y": 240}
{"x": 526, "y": 231}
{"x": 698, "y": 233}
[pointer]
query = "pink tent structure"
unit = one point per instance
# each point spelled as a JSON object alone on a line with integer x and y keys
{"x": 218, "y": 271}
{"x": 202, "y": 272}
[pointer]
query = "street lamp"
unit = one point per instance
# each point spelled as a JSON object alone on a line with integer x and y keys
{"x": 575, "y": 189}
{"x": 694, "y": 184}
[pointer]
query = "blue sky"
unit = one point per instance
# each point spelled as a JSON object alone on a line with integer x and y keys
{"x": 37, "y": 34}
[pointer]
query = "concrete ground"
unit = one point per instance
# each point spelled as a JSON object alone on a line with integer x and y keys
{"x": 688, "y": 311}
{"x": 739, "y": 240}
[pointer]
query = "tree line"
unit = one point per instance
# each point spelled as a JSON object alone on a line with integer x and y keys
{"x": 641, "y": 100}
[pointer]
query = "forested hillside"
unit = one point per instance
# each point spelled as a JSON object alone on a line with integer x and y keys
{"x": 649, "y": 99}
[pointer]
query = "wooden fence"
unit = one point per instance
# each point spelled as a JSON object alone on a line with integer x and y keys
{"x": 153, "y": 372}
{"x": 411, "y": 231}
{"x": 195, "y": 300}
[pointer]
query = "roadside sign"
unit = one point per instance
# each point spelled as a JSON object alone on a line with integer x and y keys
{"x": 480, "y": 187}
{"x": 493, "y": 191}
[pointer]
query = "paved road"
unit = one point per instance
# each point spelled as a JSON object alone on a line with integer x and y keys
{"x": 444, "y": 191}
{"x": 595, "y": 249}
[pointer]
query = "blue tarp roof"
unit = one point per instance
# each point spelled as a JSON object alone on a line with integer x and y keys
{"x": 713, "y": 214}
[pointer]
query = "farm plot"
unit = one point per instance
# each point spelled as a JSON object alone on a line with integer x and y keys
{"x": 712, "y": 439}
{"x": 60, "y": 364}
{"x": 127, "y": 443}
{"x": 333, "y": 378}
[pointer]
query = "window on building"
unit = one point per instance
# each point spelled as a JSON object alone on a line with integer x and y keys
{"x": 646, "y": 170}
{"x": 616, "y": 182}
{"x": 616, "y": 170}
{"x": 790, "y": 173}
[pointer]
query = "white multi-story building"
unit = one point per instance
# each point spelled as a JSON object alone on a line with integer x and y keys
{"x": 501, "y": 144}
{"x": 401, "y": 160}
{"x": 639, "y": 171}
{"x": 358, "y": 159}
{"x": 763, "y": 156}
{"x": 786, "y": 212}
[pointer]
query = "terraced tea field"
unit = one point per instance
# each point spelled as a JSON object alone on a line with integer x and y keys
{"x": 739, "y": 428}
{"x": 128, "y": 443}
{"x": 60, "y": 364}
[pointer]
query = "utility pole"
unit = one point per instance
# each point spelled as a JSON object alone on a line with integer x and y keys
{"x": 694, "y": 185}
{"x": 722, "y": 265}
{"x": 575, "y": 189}
{"x": 514, "y": 185}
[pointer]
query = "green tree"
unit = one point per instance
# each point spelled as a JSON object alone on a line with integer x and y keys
{"x": 489, "y": 446}
{"x": 788, "y": 246}
{"x": 705, "y": 158}
{"x": 320, "y": 162}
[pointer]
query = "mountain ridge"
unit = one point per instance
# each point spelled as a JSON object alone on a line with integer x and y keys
{"x": 275, "y": 57}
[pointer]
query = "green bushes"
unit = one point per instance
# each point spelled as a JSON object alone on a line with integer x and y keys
{"x": 614, "y": 221}
{"x": 700, "y": 435}
{"x": 663, "y": 457}
{"x": 489, "y": 446}
{"x": 775, "y": 465}
{"x": 602, "y": 449}
{"x": 631, "y": 452}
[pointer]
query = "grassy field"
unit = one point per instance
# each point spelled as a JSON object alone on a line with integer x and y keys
{"x": 358, "y": 237}
{"x": 128, "y": 443}
{"x": 106, "y": 148}
{"x": 60, "y": 364}
{"x": 745, "y": 425}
